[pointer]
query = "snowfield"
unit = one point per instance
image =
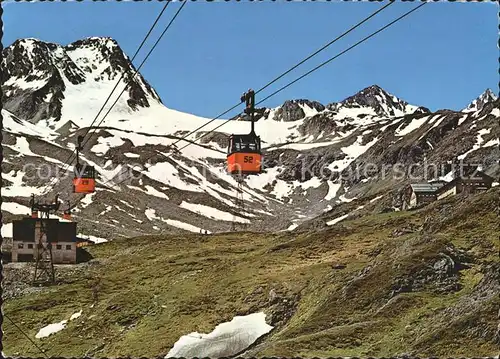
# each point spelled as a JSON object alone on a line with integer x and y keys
{"x": 56, "y": 327}
{"x": 134, "y": 159}
{"x": 211, "y": 212}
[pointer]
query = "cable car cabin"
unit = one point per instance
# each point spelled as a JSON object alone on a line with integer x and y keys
{"x": 244, "y": 154}
{"x": 67, "y": 215}
{"x": 84, "y": 181}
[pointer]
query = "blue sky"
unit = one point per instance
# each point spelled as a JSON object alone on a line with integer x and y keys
{"x": 442, "y": 56}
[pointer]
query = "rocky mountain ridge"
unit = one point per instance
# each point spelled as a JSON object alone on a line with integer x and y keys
{"x": 316, "y": 155}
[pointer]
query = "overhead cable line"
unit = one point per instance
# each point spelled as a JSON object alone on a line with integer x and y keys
{"x": 306, "y": 74}
{"x": 51, "y": 184}
{"x": 290, "y": 69}
{"x": 123, "y": 74}
{"x": 131, "y": 79}
{"x": 26, "y": 335}
{"x": 318, "y": 67}
{"x": 140, "y": 66}
{"x": 266, "y": 85}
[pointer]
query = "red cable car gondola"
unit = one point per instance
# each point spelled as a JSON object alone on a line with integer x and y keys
{"x": 244, "y": 151}
{"x": 84, "y": 180}
{"x": 244, "y": 154}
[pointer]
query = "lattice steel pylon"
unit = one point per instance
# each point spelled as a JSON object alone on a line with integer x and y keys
{"x": 44, "y": 265}
{"x": 239, "y": 203}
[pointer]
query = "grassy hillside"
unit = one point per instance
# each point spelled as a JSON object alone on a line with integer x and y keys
{"x": 421, "y": 282}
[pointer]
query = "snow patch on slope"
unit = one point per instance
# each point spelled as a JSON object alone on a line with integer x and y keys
{"x": 225, "y": 340}
{"x": 410, "y": 127}
{"x": 353, "y": 151}
{"x": 211, "y": 212}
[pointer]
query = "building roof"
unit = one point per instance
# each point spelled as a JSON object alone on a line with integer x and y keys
{"x": 24, "y": 230}
{"x": 426, "y": 187}
{"x": 438, "y": 181}
{"x": 481, "y": 174}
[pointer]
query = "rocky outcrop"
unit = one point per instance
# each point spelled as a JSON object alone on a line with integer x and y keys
{"x": 293, "y": 110}
{"x": 374, "y": 97}
{"x": 440, "y": 274}
{"x": 478, "y": 104}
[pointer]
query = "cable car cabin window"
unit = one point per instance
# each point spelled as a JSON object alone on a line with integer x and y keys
{"x": 84, "y": 180}
{"x": 244, "y": 143}
{"x": 84, "y": 171}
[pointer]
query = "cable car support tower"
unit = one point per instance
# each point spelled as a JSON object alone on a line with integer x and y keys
{"x": 44, "y": 265}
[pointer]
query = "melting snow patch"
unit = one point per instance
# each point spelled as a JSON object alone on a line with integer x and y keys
{"x": 56, "y": 327}
{"x": 182, "y": 225}
{"x": 108, "y": 208}
{"x": 127, "y": 204}
{"x": 336, "y": 220}
{"x": 87, "y": 200}
{"x": 352, "y": 152}
{"x": 105, "y": 144}
{"x": 75, "y": 315}
{"x": 462, "y": 119}
{"x": 51, "y": 329}
{"x": 447, "y": 177}
{"x": 21, "y": 83}
{"x": 15, "y": 208}
{"x": 211, "y": 212}
{"x": 436, "y": 124}
{"x": 165, "y": 173}
{"x": 18, "y": 187}
{"x": 332, "y": 190}
{"x": 479, "y": 142}
{"x": 7, "y": 230}
{"x": 346, "y": 200}
{"x": 131, "y": 155}
{"x": 226, "y": 340}
{"x": 376, "y": 198}
{"x": 150, "y": 191}
{"x": 23, "y": 147}
{"x": 263, "y": 179}
{"x": 410, "y": 127}
{"x": 153, "y": 192}
{"x": 150, "y": 214}
{"x": 95, "y": 240}
{"x": 314, "y": 182}
{"x": 494, "y": 142}
{"x": 282, "y": 189}
{"x": 302, "y": 146}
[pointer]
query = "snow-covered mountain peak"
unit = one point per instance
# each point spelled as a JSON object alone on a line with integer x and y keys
{"x": 374, "y": 100}
{"x": 48, "y": 81}
{"x": 478, "y": 103}
{"x": 102, "y": 58}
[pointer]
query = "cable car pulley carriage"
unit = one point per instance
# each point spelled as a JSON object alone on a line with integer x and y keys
{"x": 84, "y": 179}
{"x": 244, "y": 150}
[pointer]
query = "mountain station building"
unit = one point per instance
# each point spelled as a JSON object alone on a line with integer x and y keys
{"x": 61, "y": 235}
{"x": 469, "y": 181}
